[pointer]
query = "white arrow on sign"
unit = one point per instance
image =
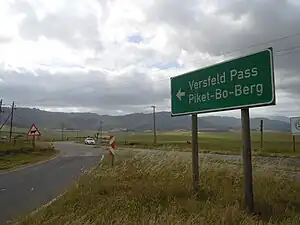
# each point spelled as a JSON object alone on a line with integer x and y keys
{"x": 180, "y": 94}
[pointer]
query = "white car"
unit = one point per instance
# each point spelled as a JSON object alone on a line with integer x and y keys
{"x": 89, "y": 141}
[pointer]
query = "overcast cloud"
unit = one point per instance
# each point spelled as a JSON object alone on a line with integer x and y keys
{"x": 116, "y": 56}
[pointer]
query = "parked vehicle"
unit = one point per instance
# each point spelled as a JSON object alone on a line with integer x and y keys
{"x": 89, "y": 141}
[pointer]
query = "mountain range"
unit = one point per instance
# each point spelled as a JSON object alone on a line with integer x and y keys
{"x": 24, "y": 117}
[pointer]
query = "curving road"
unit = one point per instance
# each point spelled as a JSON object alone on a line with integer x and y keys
{"x": 25, "y": 190}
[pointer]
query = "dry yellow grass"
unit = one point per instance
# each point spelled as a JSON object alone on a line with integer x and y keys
{"x": 155, "y": 189}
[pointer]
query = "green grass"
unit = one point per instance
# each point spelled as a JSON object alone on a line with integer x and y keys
{"x": 155, "y": 189}
{"x": 18, "y": 159}
{"x": 275, "y": 144}
{"x": 19, "y": 145}
{"x": 49, "y": 135}
{"x": 279, "y": 144}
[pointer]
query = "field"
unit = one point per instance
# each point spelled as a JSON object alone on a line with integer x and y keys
{"x": 156, "y": 189}
{"x": 279, "y": 144}
{"x": 22, "y": 154}
{"x": 50, "y": 135}
{"x": 275, "y": 143}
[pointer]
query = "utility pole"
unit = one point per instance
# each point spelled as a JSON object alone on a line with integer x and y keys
{"x": 154, "y": 124}
{"x": 11, "y": 120}
{"x": 1, "y": 101}
{"x": 100, "y": 129}
{"x": 62, "y": 131}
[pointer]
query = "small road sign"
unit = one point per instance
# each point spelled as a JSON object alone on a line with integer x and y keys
{"x": 244, "y": 82}
{"x": 33, "y": 131}
{"x": 112, "y": 145}
{"x": 295, "y": 125}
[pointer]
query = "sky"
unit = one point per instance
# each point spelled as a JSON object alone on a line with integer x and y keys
{"x": 117, "y": 56}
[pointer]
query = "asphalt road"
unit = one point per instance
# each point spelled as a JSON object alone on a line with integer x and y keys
{"x": 27, "y": 189}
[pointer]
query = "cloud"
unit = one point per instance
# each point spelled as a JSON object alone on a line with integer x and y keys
{"x": 75, "y": 23}
{"x": 91, "y": 89}
{"x": 116, "y": 56}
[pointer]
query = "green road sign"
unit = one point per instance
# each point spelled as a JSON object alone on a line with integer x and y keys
{"x": 295, "y": 125}
{"x": 239, "y": 83}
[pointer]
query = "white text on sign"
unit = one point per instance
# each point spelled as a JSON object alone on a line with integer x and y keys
{"x": 236, "y": 90}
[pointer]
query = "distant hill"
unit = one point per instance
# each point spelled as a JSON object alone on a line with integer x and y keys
{"x": 24, "y": 117}
{"x": 281, "y": 118}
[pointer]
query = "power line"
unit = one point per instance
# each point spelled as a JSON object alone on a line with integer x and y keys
{"x": 195, "y": 61}
{"x": 8, "y": 117}
{"x": 223, "y": 53}
{"x": 278, "y": 53}
{"x": 290, "y": 48}
{"x": 262, "y": 43}
{"x": 2, "y": 111}
{"x": 274, "y": 52}
{"x": 288, "y": 53}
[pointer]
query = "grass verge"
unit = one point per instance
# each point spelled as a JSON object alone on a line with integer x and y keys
{"x": 23, "y": 155}
{"x": 228, "y": 143}
{"x": 188, "y": 148}
{"x": 154, "y": 189}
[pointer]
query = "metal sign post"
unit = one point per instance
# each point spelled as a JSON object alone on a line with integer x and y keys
{"x": 294, "y": 143}
{"x": 240, "y": 83}
{"x": 33, "y": 132}
{"x": 295, "y": 129}
{"x": 195, "y": 154}
{"x": 261, "y": 134}
{"x": 247, "y": 159}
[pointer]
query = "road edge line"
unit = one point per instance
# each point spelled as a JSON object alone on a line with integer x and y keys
{"x": 31, "y": 165}
{"x": 62, "y": 194}
{"x": 59, "y": 196}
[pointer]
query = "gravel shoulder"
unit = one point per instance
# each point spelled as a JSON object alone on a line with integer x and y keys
{"x": 289, "y": 166}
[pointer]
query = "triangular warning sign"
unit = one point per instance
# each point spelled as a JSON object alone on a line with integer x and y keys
{"x": 33, "y": 131}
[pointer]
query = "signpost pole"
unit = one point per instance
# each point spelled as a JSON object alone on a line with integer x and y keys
{"x": 195, "y": 154}
{"x": 33, "y": 141}
{"x": 240, "y": 83}
{"x": 247, "y": 161}
{"x": 33, "y": 131}
{"x": 261, "y": 134}
{"x": 154, "y": 124}
{"x": 294, "y": 143}
{"x": 112, "y": 160}
{"x": 295, "y": 129}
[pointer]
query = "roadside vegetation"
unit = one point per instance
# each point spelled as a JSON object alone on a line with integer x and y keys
{"x": 156, "y": 189}
{"x": 21, "y": 153}
{"x": 275, "y": 144}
